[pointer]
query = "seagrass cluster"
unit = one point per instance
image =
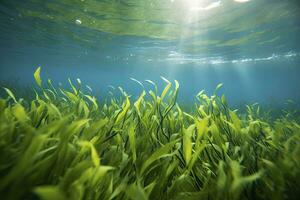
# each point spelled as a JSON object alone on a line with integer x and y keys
{"x": 65, "y": 145}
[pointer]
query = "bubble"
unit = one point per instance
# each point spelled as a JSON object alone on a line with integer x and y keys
{"x": 78, "y": 21}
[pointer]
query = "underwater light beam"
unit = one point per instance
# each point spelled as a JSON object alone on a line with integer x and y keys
{"x": 197, "y": 10}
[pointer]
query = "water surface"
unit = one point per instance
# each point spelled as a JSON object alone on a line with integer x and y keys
{"x": 253, "y": 47}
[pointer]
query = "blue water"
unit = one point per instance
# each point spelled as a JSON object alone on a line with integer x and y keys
{"x": 252, "y": 47}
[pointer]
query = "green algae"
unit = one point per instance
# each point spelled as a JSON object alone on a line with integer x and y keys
{"x": 65, "y": 145}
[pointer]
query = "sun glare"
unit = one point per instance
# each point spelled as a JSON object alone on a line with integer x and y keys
{"x": 207, "y": 7}
{"x": 241, "y": 1}
{"x": 196, "y": 5}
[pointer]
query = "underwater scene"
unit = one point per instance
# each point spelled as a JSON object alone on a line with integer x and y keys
{"x": 149, "y": 99}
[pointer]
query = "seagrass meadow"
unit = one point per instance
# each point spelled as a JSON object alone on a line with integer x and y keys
{"x": 64, "y": 144}
{"x": 149, "y": 99}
